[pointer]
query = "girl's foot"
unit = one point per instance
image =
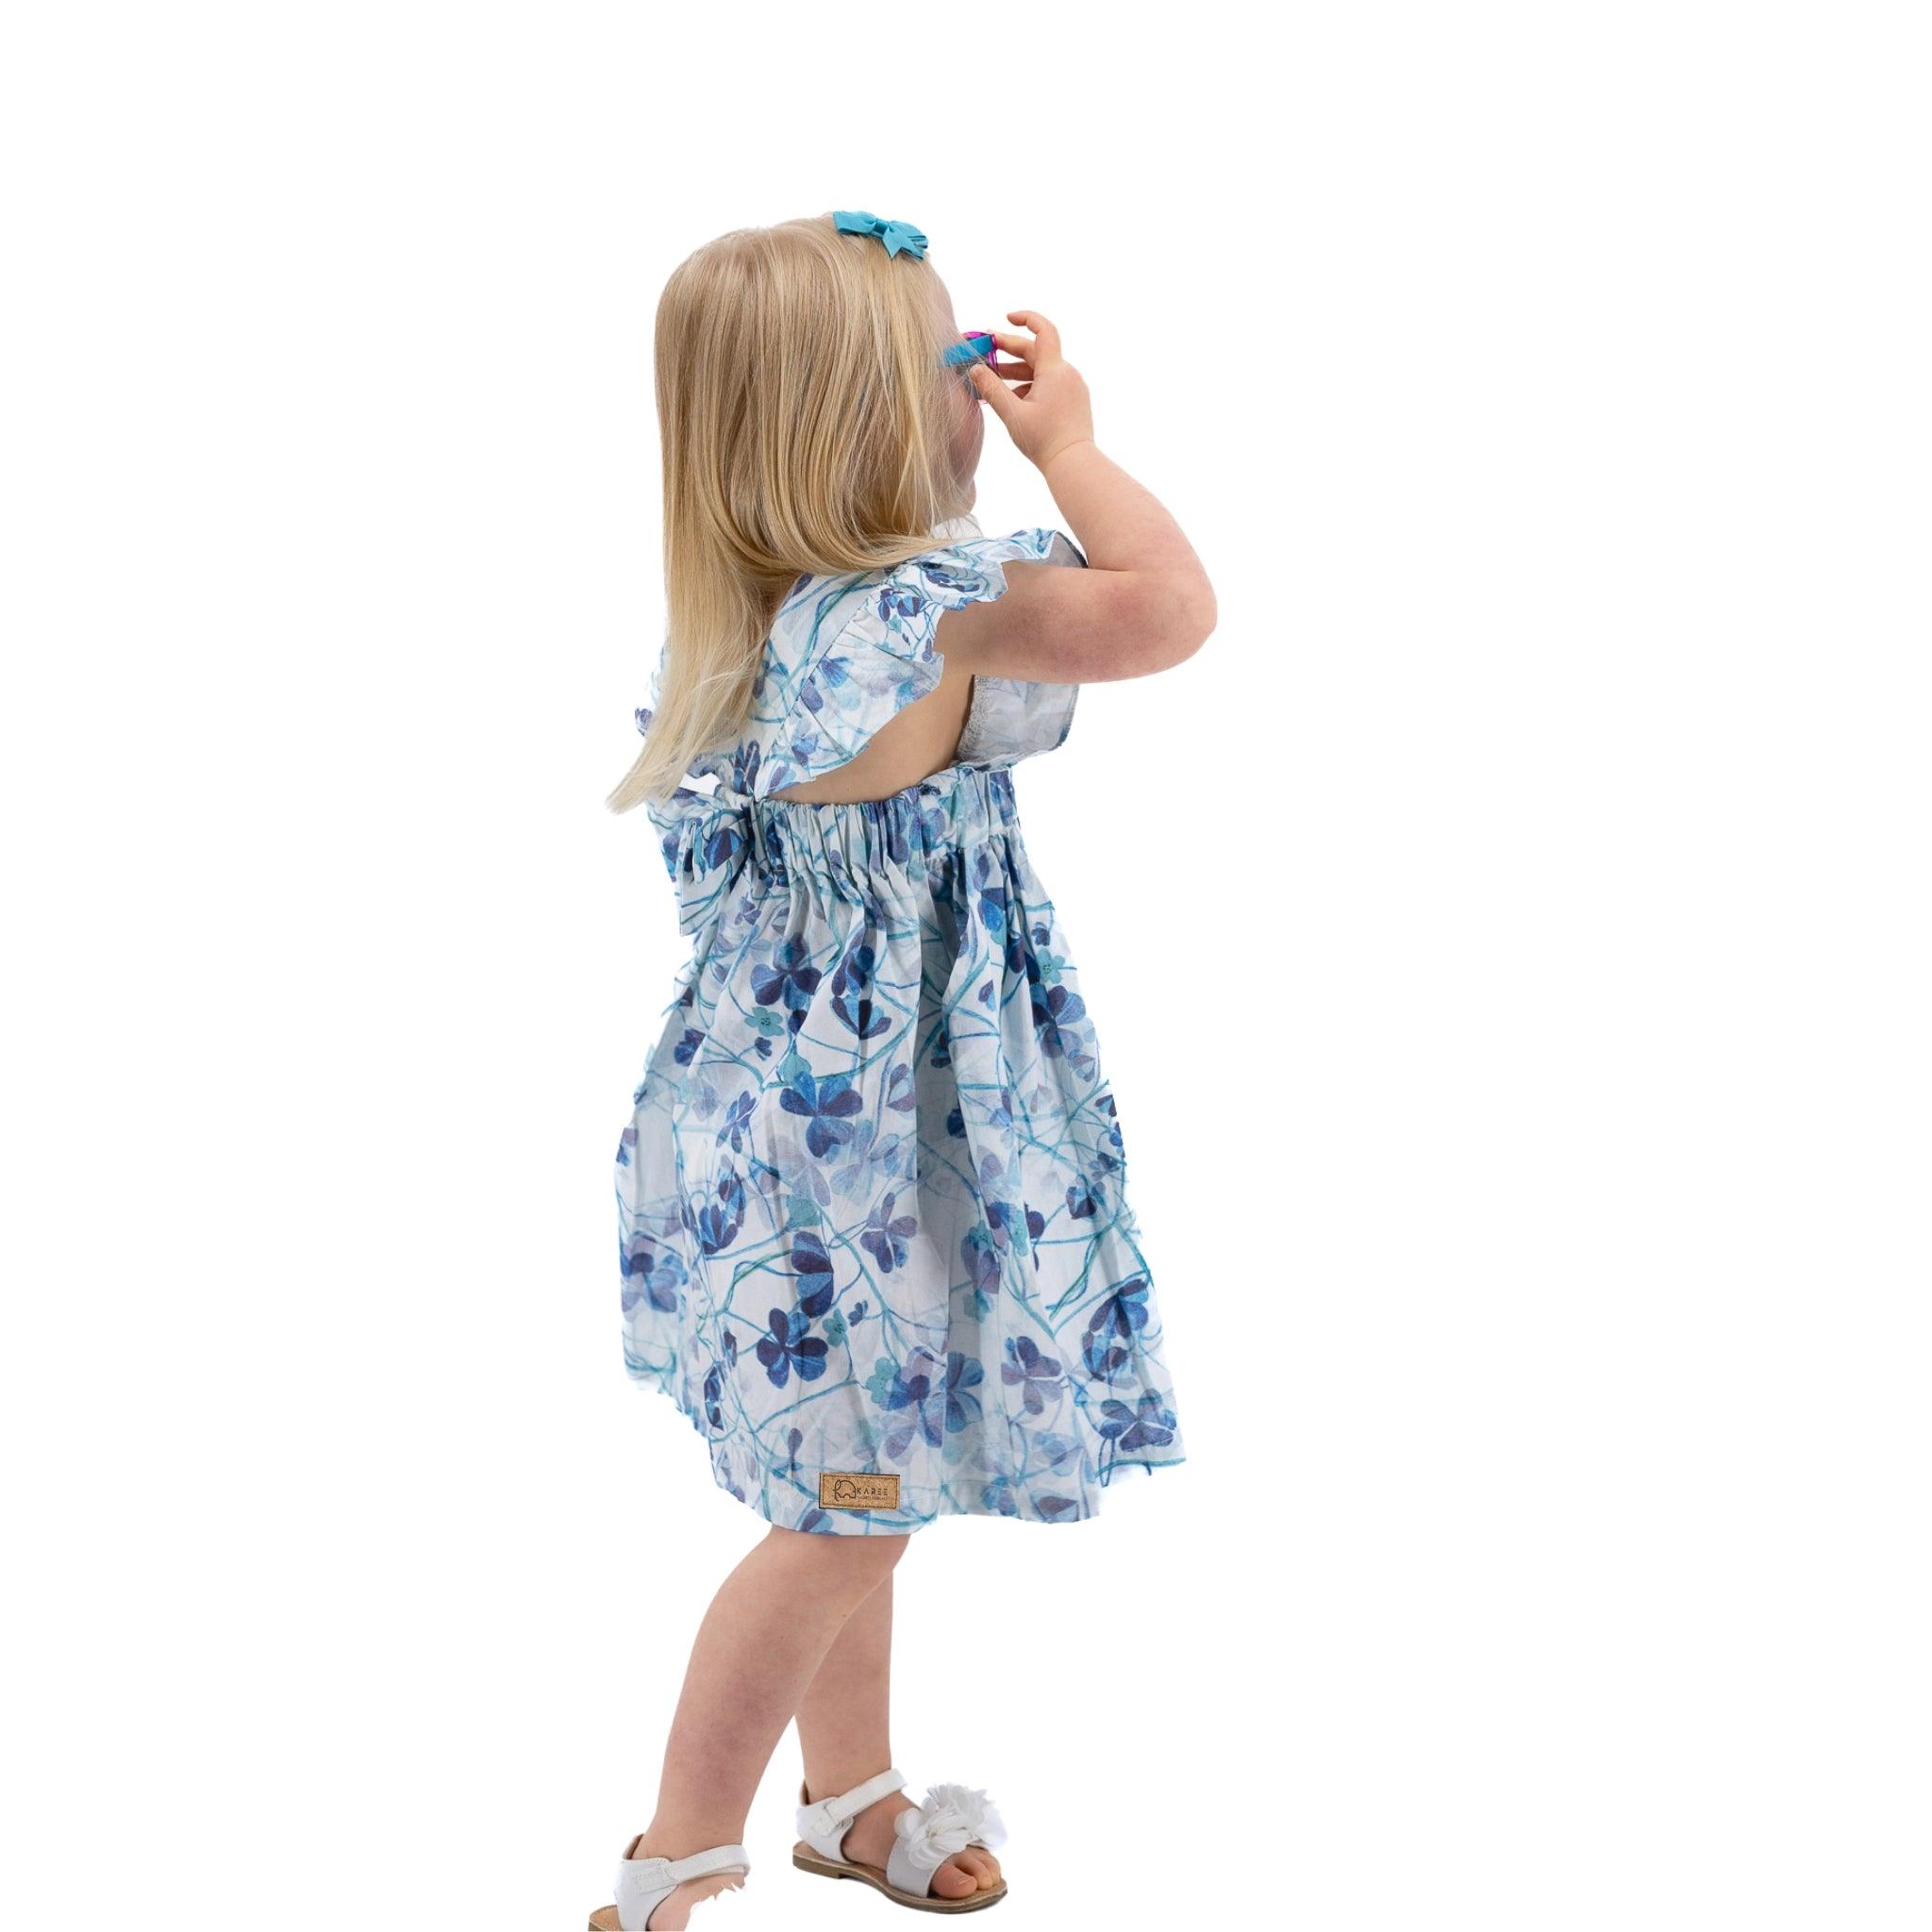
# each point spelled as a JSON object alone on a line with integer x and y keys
{"x": 869, "y": 1842}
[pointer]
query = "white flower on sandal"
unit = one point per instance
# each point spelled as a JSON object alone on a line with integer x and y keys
{"x": 952, "y": 1818}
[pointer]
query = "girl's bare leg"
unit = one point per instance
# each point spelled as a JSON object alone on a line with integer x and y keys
{"x": 766, "y": 1634}
{"x": 845, "y": 1734}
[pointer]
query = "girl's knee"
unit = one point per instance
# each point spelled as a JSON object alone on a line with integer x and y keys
{"x": 884, "y": 1550}
{"x": 849, "y": 1556}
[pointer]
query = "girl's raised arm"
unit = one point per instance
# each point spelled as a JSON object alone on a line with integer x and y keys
{"x": 1142, "y": 604}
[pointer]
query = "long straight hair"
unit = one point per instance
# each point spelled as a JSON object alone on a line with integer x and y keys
{"x": 803, "y": 409}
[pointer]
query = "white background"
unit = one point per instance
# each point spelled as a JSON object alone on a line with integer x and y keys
{"x": 1507, "y": 937}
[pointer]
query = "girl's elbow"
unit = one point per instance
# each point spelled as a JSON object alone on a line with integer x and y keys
{"x": 1154, "y": 625}
{"x": 1185, "y": 623}
{"x": 1203, "y": 614}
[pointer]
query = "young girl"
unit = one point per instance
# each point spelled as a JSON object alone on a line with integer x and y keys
{"x": 874, "y": 1237}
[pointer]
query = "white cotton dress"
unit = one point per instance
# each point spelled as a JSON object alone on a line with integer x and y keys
{"x": 872, "y": 1222}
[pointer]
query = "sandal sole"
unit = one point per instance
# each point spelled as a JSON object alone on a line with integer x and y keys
{"x": 808, "y": 1860}
{"x": 605, "y": 1918}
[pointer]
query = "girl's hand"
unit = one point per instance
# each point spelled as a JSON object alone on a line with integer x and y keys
{"x": 1050, "y": 410}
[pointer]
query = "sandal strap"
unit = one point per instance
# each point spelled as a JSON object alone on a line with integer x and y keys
{"x": 823, "y": 1825}
{"x": 706, "y": 1864}
{"x": 644, "y": 1884}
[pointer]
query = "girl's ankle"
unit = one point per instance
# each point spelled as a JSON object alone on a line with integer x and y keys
{"x": 679, "y": 1841}
{"x": 818, "y": 1789}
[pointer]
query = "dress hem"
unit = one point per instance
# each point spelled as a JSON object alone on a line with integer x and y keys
{"x": 1084, "y": 1507}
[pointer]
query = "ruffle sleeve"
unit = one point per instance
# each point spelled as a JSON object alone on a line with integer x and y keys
{"x": 870, "y": 649}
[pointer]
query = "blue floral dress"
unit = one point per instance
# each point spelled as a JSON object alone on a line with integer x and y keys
{"x": 872, "y": 1218}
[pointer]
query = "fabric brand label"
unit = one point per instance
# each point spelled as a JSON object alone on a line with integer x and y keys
{"x": 842, "y": 1490}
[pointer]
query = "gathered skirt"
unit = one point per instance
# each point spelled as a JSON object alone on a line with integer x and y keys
{"x": 873, "y": 1232}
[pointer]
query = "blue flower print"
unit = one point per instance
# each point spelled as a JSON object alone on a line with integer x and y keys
{"x": 808, "y": 1182}
{"x": 720, "y": 1219}
{"x": 736, "y": 1118}
{"x": 1008, "y": 1231}
{"x": 964, "y": 1373}
{"x": 917, "y": 1395}
{"x": 828, "y": 1103}
{"x": 1036, "y": 1376}
{"x": 1056, "y": 1014}
{"x": 719, "y": 846}
{"x": 722, "y": 846}
{"x": 870, "y": 1157}
{"x": 1000, "y": 1497}
{"x": 1149, "y": 1424}
{"x": 652, "y": 1272}
{"x": 966, "y": 583}
{"x": 788, "y": 1344}
{"x": 898, "y": 849}
{"x": 714, "y": 1396}
{"x": 1036, "y": 1226}
{"x": 807, "y": 747}
{"x": 765, "y": 1026}
{"x": 899, "y": 600}
{"x": 831, "y": 674}
{"x": 990, "y": 892}
{"x": 980, "y": 1250}
{"x": 886, "y": 1234}
{"x": 813, "y": 1267}
{"x": 852, "y": 998}
{"x": 788, "y": 981}
{"x": 1111, "y": 1328}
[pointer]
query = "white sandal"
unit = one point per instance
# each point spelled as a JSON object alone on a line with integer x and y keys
{"x": 644, "y": 1884}
{"x": 950, "y": 1818}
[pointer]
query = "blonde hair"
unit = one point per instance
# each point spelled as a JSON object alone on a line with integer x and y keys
{"x": 804, "y": 409}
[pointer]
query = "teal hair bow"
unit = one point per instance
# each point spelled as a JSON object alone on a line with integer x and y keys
{"x": 899, "y": 237}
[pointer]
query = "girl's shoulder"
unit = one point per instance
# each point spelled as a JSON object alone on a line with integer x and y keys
{"x": 848, "y": 654}
{"x": 966, "y": 567}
